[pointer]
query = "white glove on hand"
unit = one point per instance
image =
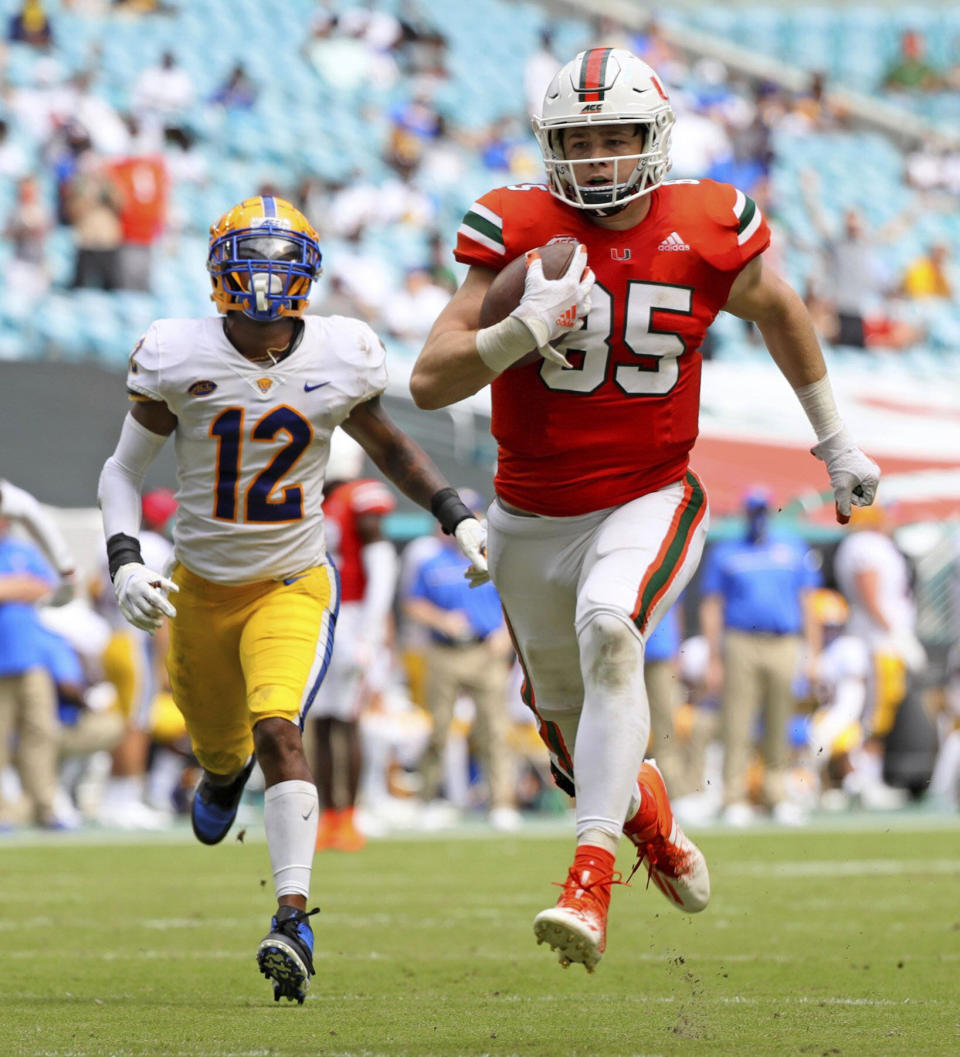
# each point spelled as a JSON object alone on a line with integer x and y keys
{"x": 66, "y": 591}
{"x": 140, "y": 593}
{"x": 471, "y": 536}
{"x": 907, "y": 646}
{"x": 552, "y": 308}
{"x": 854, "y": 476}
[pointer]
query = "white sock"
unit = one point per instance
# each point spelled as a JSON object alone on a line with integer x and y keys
{"x": 163, "y": 778}
{"x": 290, "y": 812}
{"x": 867, "y": 771}
{"x": 636, "y": 799}
{"x": 613, "y": 730}
{"x": 124, "y": 790}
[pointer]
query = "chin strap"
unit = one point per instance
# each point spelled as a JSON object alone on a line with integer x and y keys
{"x": 610, "y": 211}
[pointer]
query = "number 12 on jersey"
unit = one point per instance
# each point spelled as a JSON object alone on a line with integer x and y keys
{"x": 260, "y": 504}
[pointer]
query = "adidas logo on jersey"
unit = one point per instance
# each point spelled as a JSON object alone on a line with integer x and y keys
{"x": 673, "y": 242}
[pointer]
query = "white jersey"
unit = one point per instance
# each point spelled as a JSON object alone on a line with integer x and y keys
{"x": 252, "y": 441}
{"x": 874, "y": 552}
{"x": 843, "y": 669}
{"x": 845, "y": 658}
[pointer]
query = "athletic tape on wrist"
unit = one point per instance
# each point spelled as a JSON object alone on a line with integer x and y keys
{"x": 504, "y": 343}
{"x": 820, "y": 407}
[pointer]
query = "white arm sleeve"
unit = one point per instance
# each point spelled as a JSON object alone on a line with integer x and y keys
{"x": 121, "y": 478}
{"x": 381, "y": 564}
{"x": 19, "y": 505}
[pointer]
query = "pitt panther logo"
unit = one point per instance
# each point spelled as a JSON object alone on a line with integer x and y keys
{"x": 203, "y": 388}
{"x": 263, "y": 384}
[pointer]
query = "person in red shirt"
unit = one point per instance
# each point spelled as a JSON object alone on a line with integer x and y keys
{"x": 598, "y": 522}
{"x": 143, "y": 185}
{"x": 353, "y": 510}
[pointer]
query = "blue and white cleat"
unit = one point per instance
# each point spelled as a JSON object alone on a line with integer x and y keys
{"x": 214, "y": 807}
{"x": 285, "y": 954}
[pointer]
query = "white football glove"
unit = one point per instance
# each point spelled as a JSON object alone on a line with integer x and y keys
{"x": 907, "y": 646}
{"x": 854, "y": 476}
{"x": 552, "y": 308}
{"x": 471, "y": 536}
{"x": 141, "y": 593}
{"x": 65, "y": 591}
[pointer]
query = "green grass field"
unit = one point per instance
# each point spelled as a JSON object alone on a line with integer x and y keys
{"x": 838, "y": 941}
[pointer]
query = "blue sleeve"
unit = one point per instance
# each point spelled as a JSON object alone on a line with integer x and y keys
{"x": 418, "y": 589}
{"x": 814, "y": 572}
{"x": 36, "y": 564}
{"x": 711, "y": 580}
{"x": 39, "y": 566}
{"x": 61, "y": 659}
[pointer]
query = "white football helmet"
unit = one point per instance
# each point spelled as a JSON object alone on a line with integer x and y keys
{"x": 605, "y": 86}
{"x": 345, "y": 461}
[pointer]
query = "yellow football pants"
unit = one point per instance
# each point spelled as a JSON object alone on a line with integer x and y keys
{"x": 240, "y": 654}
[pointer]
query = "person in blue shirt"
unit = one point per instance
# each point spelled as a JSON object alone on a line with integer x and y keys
{"x": 28, "y": 700}
{"x": 88, "y": 720}
{"x": 754, "y": 614}
{"x": 469, "y": 653}
{"x": 662, "y": 677}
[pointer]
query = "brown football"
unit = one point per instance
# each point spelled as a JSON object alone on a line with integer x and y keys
{"x": 505, "y": 291}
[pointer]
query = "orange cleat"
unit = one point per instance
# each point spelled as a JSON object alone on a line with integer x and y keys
{"x": 674, "y": 863}
{"x": 346, "y": 836}
{"x": 577, "y": 926}
{"x": 327, "y": 829}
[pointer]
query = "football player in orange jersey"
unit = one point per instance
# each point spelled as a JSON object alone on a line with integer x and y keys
{"x": 252, "y": 400}
{"x": 598, "y": 522}
{"x": 353, "y": 511}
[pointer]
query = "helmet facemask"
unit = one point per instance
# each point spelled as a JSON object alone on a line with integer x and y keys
{"x": 268, "y": 272}
{"x": 263, "y": 265}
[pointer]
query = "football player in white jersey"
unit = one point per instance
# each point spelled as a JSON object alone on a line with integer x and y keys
{"x": 252, "y": 399}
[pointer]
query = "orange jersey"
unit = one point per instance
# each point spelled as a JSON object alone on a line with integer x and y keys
{"x": 341, "y": 510}
{"x": 143, "y": 183}
{"x": 622, "y": 421}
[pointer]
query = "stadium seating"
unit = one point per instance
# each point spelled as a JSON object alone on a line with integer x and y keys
{"x": 302, "y": 125}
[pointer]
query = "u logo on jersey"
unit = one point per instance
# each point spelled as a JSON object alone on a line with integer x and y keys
{"x": 620, "y": 255}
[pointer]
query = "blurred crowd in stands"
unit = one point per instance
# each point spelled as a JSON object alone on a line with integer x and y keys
{"x": 116, "y": 170}
{"x": 789, "y": 681}
{"x": 838, "y": 707}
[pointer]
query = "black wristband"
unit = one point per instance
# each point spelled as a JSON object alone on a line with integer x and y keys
{"x": 121, "y": 550}
{"x": 449, "y": 509}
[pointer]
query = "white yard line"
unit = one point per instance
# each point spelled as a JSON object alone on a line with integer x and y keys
{"x": 838, "y": 868}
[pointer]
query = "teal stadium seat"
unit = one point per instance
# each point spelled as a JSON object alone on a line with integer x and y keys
{"x": 300, "y": 127}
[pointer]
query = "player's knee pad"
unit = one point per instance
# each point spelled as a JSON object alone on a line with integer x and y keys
{"x": 611, "y": 652}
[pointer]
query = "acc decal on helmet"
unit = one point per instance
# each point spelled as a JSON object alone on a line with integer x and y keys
{"x": 263, "y": 257}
